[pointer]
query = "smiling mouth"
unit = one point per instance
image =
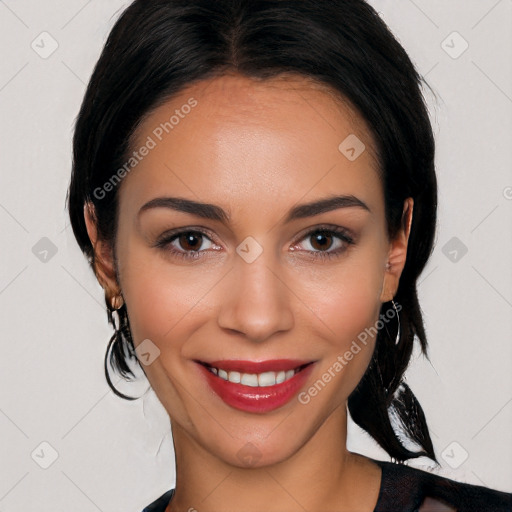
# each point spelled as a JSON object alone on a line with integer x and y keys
{"x": 231, "y": 372}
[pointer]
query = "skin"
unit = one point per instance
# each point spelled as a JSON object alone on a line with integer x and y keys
{"x": 256, "y": 149}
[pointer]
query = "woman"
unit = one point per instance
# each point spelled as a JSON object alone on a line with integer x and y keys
{"x": 254, "y": 187}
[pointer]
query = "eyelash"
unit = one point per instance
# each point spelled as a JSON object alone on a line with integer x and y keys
{"x": 342, "y": 234}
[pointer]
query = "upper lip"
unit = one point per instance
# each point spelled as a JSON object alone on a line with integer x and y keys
{"x": 238, "y": 365}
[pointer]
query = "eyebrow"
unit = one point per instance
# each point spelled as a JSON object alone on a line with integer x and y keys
{"x": 214, "y": 212}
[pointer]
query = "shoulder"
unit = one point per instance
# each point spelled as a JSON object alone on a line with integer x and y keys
{"x": 406, "y": 489}
{"x": 160, "y": 504}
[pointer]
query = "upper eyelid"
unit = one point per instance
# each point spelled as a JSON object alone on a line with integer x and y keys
{"x": 174, "y": 233}
{"x": 338, "y": 231}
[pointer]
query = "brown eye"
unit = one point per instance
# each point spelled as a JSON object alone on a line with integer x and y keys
{"x": 190, "y": 241}
{"x": 191, "y": 244}
{"x": 321, "y": 240}
{"x": 325, "y": 242}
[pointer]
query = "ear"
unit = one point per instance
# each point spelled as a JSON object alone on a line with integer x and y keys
{"x": 397, "y": 254}
{"x": 103, "y": 260}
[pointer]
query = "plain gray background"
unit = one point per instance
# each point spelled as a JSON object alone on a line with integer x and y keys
{"x": 106, "y": 454}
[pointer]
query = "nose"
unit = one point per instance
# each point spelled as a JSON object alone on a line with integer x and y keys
{"x": 256, "y": 300}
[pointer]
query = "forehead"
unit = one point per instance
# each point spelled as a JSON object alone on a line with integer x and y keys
{"x": 233, "y": 139}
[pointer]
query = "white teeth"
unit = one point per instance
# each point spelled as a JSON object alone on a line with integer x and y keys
{"x": 234, "y": 377}
{"x": 249, "y": 379}
{"x": 264, "y": 379}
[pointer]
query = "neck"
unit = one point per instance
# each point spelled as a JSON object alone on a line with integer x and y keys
{"x": 321, "y": 474}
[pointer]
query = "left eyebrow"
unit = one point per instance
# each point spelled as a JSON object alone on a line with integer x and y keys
{"x": 325, "y": 205}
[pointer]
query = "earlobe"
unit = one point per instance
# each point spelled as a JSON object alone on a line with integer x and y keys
{"x": 103, "y": 258}
{"x": 397, "y": 254}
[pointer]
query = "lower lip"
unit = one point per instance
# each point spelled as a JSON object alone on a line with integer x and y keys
{"x": 257, "y": 399}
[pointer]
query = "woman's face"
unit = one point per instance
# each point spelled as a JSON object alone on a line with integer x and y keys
{"x": 236, "y": 268}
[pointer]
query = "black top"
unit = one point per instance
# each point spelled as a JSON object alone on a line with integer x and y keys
{"x": 405, "y": 489}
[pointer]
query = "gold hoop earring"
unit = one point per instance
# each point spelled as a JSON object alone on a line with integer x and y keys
{"x": 116, "y": 303}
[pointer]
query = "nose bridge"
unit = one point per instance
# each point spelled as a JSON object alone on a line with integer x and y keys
{"x": 256, "y": 302}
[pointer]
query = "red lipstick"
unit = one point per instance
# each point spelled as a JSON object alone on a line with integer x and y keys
{"x": 256, "y": 398}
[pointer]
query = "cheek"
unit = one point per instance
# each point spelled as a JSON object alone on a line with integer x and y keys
{"x": 347, "y": 300}
{"x": 346, "y": 307}
{"x": 165, "y": 302}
